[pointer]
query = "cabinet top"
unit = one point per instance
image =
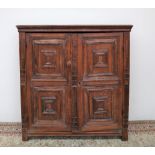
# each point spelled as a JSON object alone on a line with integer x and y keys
{"x": 74, "y": 28}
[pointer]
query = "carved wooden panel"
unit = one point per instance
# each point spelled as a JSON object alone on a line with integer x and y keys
{"x": 100, "y": 107}
{"x": 47, "y": 59}
{"x": 49, "y": 55}
{"x": 49, "y": 107}
{"x": 47, "y": 103}
{"x": 100, "y": 56}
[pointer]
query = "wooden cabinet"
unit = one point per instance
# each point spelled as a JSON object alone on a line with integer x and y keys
{"x": 74, "y": 80}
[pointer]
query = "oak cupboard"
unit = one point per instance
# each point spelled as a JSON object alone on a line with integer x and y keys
{"x": 74, "y": 80}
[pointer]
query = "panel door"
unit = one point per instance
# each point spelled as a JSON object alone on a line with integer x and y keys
{"x": 48, "y": 82}
{"x": 100, "y": 81}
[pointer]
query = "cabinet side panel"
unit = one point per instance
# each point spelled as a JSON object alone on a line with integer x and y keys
{"x": 126, "y": 84}
{"x": 22, "y": 47}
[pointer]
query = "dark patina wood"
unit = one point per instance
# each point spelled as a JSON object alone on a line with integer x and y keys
{"x": 74, "y": 80}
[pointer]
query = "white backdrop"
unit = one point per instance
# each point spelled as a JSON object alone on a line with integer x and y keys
{"x": 142, "y": 84}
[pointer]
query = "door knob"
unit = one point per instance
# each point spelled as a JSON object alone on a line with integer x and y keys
{"x": 79, "y": 83}
{"x": 69, "y": 63}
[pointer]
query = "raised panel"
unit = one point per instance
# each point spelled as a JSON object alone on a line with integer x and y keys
{"x": 99, "y": 108}
{"x": 49, "y": 104}
{"x": 49, "y": 58}
{"x": 50, "y": 107}
{"x": 49, "y": 54}
{"x": 100, "y": 56}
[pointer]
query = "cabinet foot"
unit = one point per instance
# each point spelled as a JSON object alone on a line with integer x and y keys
{"x": 24, "y": 134}
{"x": 25, "y": 137}
{"x": 124, "y": 135}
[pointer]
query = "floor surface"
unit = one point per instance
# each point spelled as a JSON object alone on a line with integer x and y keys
{"x": 140, "y": 134}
